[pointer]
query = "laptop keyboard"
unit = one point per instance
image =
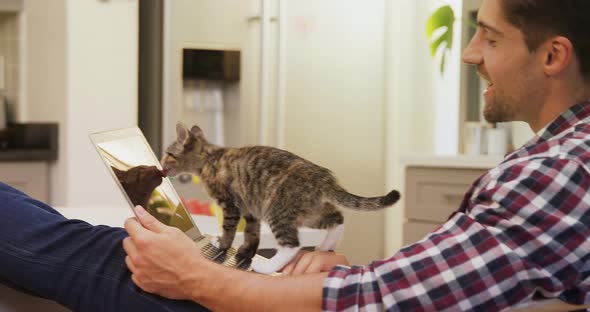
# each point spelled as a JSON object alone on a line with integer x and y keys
{"x": 227, "y": 258}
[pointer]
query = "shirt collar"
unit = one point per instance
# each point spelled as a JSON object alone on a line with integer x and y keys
{"x": 563, "y": 122}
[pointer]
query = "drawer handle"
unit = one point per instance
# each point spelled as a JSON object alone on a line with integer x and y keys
{"x": 453, "y": 198}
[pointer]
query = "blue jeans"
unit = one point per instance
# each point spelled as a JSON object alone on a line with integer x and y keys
{"x": 79, "y": 265}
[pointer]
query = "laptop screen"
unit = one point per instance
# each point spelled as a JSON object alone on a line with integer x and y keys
{"x": 137, "y": 171}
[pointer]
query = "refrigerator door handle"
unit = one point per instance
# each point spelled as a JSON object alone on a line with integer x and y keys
{"x": 264, "y": 64}
{"x": 252, "y": 18}
{"x": 281, "y": 75}
{"x": 255, "y": 18}
{"x": 264, "y": 105}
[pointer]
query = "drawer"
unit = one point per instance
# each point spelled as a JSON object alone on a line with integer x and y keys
{"x": 414, "y": 231}
{"x": 432, "y": 194}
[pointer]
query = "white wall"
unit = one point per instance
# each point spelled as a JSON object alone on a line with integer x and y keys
{"x": 410, "y": 118}
{"x": 82, "y": 72}
{"x": 102, "y": 90}
{"x": 44, "y": 78}
{"x": 423, "y": 105}
{"x": 335, "y": 102}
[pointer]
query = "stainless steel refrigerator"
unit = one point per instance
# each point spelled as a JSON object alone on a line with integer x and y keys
{"x": 311, "y": 79}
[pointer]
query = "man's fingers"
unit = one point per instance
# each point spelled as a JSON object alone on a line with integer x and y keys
{"x": 134, "y": 228}
{"x": 132, "y": 254}
{"x": 136, "y": 281}
{"x": 129, "y": 247}
{"x": 302, "y": 264}
{"x": 148, "y": 221}
{"x": 287, "y": 269}
{"x": 130, "y": 264}
{"x": 314, "y": 267}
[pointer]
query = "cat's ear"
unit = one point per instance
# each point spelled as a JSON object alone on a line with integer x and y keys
{"x": 181, "y": 132}
{"x": 196, "y": 131}
{"x": 119, "y": 173}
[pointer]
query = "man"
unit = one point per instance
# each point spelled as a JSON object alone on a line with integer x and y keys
{"x": 521, "y": 233}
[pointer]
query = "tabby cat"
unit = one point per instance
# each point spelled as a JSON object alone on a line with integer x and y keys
{"x": 263, "y": 183}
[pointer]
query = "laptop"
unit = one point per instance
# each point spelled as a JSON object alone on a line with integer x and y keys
{"x": 123, "y": 149}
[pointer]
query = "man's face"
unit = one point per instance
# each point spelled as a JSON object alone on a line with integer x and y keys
{"x": 513, "y": 74}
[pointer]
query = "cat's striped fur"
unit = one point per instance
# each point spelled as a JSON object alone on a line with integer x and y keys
{"x": 265, "y": 183}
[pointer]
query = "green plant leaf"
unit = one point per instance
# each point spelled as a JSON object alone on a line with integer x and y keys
{"x": 443, "y": 18}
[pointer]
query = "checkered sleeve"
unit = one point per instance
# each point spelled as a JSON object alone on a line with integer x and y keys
{"x": 525, "y": 234}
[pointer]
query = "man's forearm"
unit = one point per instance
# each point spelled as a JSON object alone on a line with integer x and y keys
{"x": 225, "y": 289}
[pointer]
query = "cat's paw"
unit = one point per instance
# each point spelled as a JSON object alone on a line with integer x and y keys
{"x": 263, "y": 266}
{"x": 246, "y": 252}
{"x": 215, "y": 242}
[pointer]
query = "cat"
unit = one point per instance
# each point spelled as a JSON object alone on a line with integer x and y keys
{"x": 140, "y": 182}
{"x": 261, "y": 183}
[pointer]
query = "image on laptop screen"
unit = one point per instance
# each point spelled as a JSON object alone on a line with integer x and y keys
{"x": 138, "y": 173}
{"x": 134, "y": 166}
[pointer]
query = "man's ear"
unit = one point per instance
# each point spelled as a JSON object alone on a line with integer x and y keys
{"x": 558, "y": 55}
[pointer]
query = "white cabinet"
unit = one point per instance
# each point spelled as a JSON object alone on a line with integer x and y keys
{"x": 434, "y": 189}
{"x": 432, "y": 195}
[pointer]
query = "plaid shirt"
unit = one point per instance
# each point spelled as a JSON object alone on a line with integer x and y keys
{"x": 522, "y": 232}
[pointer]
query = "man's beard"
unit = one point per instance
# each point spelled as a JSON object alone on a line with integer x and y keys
{"x": 499, "y": 109}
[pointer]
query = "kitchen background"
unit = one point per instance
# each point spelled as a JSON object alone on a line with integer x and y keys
{"x": 347, "y": 84}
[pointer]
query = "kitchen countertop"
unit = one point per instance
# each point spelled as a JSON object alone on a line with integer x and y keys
{"x": 29, "y": 142}
{"x": 13, "y": 155}
{"x": 452, "y": 161}
{"x": 11, "y": 6}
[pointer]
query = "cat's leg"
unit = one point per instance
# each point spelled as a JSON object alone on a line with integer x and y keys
{"x": 332, "y": 239}
{"x": 332, "y": 220}
{"x": 231, "y": 218}
{"x": 285, "y": 232}
{"x": 251, "y": 237}
{"x": 278, "y": 261}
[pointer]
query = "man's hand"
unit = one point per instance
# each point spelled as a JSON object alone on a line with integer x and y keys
{"x": 161, "y": 258}
{"x": 164, "y": 261}
{"x": 313, "y": 262}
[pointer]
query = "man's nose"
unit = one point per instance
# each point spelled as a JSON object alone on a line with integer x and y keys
{"x": 471, "y": 54}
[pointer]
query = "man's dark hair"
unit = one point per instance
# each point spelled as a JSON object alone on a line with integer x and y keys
{"x": 540, "y": 19}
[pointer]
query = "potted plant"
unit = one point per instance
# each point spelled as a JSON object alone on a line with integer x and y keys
{"x": 441, "y": 23}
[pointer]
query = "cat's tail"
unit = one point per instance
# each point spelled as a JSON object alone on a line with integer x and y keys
{"x": 342, "y": 198}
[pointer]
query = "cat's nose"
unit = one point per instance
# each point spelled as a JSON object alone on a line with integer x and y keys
{"x": 164, "y": 172}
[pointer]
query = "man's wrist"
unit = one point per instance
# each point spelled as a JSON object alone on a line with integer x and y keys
{"x": 204, "y": 281}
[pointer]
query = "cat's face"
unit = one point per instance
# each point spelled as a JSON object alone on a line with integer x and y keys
{"x": 140, "y": 179}
{"x": 186, "y": 153}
